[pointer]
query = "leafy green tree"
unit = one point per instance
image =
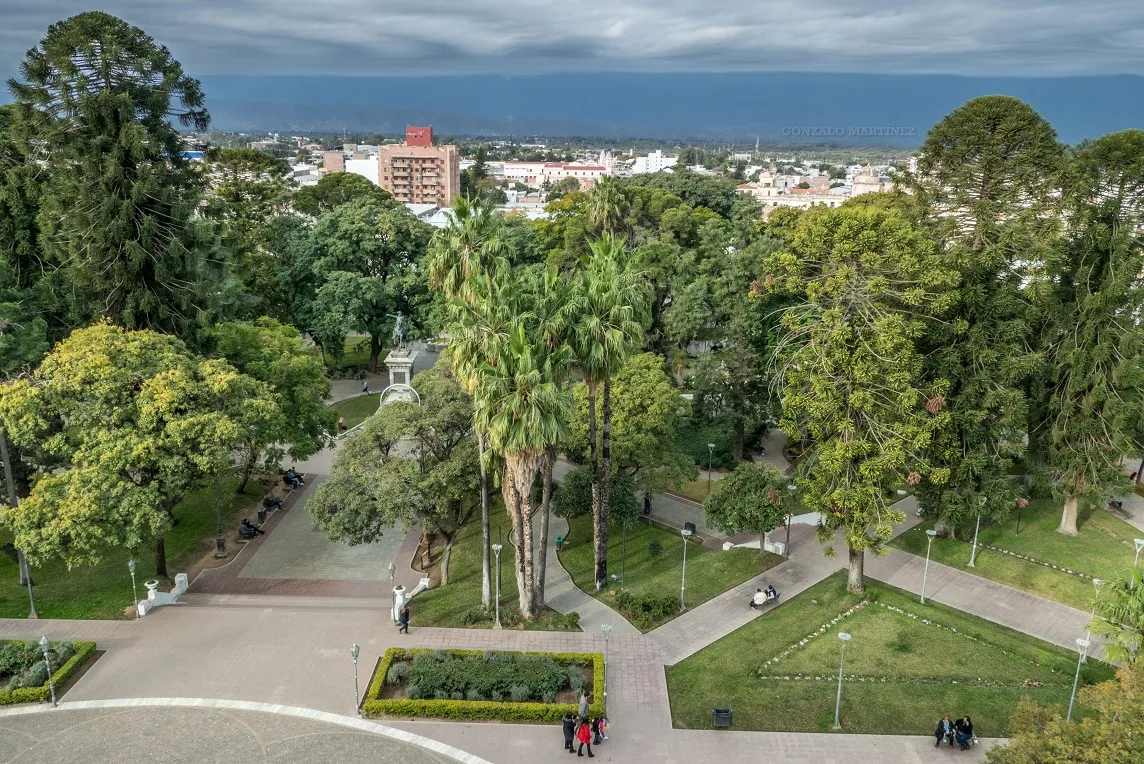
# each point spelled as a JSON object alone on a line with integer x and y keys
{"x": 1089, "y": 298}
{"x": 368, "y": 265}
{"x": 611, "y": 310}
{"x": 646, "y": 413}
{"x": 335, "y": 189}
{"x": 272, "y": 353}
{"x": 97, "y": 99}
{"x": 123, "y": 424}
{"x": 752, "y": 499}
{"x": 852, "y": 386}
{"x": 1113, "y": 733}
{"x": 248, "y": 188}
{"x": 375, "y": 485}
{"x": 1120, "y": 617}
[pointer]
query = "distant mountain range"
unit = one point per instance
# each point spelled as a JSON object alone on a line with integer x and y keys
{"x": 862, "y": 109}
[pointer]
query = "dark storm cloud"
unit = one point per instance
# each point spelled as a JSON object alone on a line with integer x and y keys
{"x": 375, "y": 37}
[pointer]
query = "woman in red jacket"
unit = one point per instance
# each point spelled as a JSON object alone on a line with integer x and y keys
{"x": 584, "y": 735}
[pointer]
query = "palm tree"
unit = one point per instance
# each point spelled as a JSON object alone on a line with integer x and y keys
{"x": 1120, "y": 617}
{"x": 606, "y": 206}
{"x": 611, "y": 314}
{"x": 471, "y": 246}
{"x": 523, "y": 411}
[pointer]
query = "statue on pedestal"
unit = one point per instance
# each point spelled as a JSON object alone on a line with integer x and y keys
{"x": 400, "y": 335}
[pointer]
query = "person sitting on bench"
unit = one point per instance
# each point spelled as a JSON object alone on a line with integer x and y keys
{"x": 271, "y": 502}
{"x": 292, "y": 478}
{"x": 248, "y": 531}
{"x": 759, "y": 599}
{"x": 772, "y": 595}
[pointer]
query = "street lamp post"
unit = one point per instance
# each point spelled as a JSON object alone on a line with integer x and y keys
{"x": 357, "y": 696}
{"x": 973, "y": 554}
{"x": 710, "y": 461}
{"x": 845, "y": 637}
{"x": 497, "y": 549}
{"x": 1135, "y": 563}
{"x": 1096, "y": 584}
{"x": 791, "y": 488}
{"x": 931, "y": 533}
{"x": 1082, "y": 646}
{"x": 392, "y": 594}
{"x": 48, "y": 663}
{"x": 134, "y": 591}
{"x": 683, "y": 581}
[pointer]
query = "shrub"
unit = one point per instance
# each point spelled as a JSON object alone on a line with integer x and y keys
{"x": 572, "y": 621}
{"x": 413, "y": 692}
{"x": 34, "y": 676}
{"x": 654, "y": 548}
{"x": 457, "y": 695}
{"x": 548, "y": 697}
{"x": 473, "y": 616}
{"x": 397, "y": 673}
{"x": 29, "y": 652}
{"x": 520, "y": 692}
{"x": 62, "y": 652}
{"x": 441, "y": 694}
{"x": 473, "y": 694}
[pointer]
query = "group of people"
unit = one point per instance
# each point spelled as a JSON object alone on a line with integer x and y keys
{"x": 582, "y": 729}
{"x": 292, "y": 478}
{"x": 960, "y": 731}
{"x": 763, "y": 596}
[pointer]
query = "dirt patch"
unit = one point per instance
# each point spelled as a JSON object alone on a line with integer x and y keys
{"x": 234, "y": 544}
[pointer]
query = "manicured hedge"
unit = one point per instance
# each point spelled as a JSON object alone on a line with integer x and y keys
{"x": 480, "y": 710}
{"x": 83, "y": 651}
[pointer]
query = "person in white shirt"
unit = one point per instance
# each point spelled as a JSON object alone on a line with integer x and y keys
{"x": 760, "y": 598}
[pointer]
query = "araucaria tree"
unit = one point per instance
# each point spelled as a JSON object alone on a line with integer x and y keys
{"x": 986, "y": 181}
{"x": 123, "y": 425}
{"x": 100, "y": 98}
{"x": 852, "y": 388}
{"x": 1090, "y": 297}
{"x": 609, "y": 318}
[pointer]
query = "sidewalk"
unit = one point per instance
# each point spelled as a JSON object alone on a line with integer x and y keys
{"x": 563, "y": 596}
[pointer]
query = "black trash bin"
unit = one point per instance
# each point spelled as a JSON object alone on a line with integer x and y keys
{"x": 689, "y": 527}
{"x": 721, "y": 717}
{"x": 262, "y": 514}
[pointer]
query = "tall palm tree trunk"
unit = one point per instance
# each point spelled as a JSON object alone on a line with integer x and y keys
{"x": 486, "y": 531}
{"x": 605, "y": 488}
{"x": 520, "y": 474}
{"x": 594, "y": 463}
{"x": 545, "y": 511}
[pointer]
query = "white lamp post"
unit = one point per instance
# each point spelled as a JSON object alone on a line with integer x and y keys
{"x": 845, "y": 637}
{"x": 134, "y": 592}
{"x": 357, "y": 696}
{"x": 1082, "y": 646}
{"x": 931, "y": 533}
{"x": 791, "y": 488}
{"x": 497, "y": 549}
{"x": 1097, "y": 583}
{"x": 683, "y": 581}
{"x": 973, "y": 554}
{"x": 710, "y": 460}
{"x": 1135, "y": 563}
{"x": 607, "y": 629}
{"x": 48, "y": 663}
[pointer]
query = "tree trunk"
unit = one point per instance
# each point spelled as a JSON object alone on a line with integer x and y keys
{"x": 528, "y": 597}
{"x": 605, "y": 489}
{"x": 1139, "y": 470}
{"x": 246, "y": 470}
{"x": 25, "y": 569}
{"x": 13, "y": 501}
{"x": 594, "y": 464}
{"x": 545, "y": 511}
{"x": 160, "y": 557}
{"x": 445, "y": 558}
{"x": 740, "y": 441}
{"x": 1068, "y": 517}
{"x": 486, "y": 533}
{"x": 855, "y": 582}
{"x": 374, "y": 352}
{"x": 512, "y": 506}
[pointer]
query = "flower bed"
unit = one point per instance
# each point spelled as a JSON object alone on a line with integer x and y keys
{"x": 476, "y": 685}
{"x": 22, "y": 666}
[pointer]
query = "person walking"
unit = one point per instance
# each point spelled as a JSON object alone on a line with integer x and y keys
{"x": 569, "y": 733}
{"x": 403, "y": 618}
{"x": 584, "y": 735}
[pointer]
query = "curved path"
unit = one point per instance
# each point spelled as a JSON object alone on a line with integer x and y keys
{"x": 189, "y": 730}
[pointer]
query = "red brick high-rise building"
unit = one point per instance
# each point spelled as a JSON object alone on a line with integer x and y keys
{"x": 417, "y": 172}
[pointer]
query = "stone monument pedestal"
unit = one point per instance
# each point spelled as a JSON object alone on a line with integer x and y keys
{"x": 400, "y": 364}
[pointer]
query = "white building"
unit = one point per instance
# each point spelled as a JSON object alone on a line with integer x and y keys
{"x": 653, "y": 162}
{"x": 366, "y": 167}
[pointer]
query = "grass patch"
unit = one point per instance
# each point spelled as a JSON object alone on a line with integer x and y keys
{"x": 710, "y": 572}
{"x": 103, "y": 591}
{"x": 696, "y": 490}
{"x": 458, "y": 604}
{"x": 1103, "y": 549}
{"x": 358, "y": 409}
{"x": 907, "y": 668}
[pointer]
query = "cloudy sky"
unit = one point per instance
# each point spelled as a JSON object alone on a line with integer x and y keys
{"x": 380, "y": 37}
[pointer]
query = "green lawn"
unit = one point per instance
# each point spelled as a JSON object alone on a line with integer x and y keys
{"x": 356, "y": 354}
{"x": 710, "y": 572}
{"x": 1103, "y": 549}
{"x": 357, "y": 410}
{"x": 459, "y": 603}
{"x": 900, "y": 670}
{"x": 696, "y": 490}
{"x": 104, "y": 590}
